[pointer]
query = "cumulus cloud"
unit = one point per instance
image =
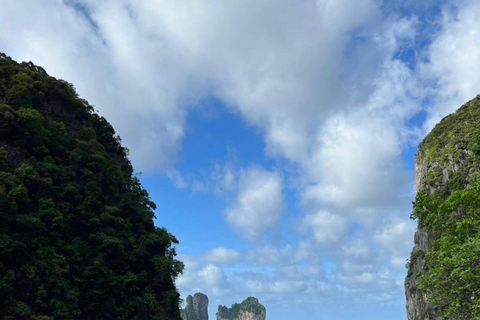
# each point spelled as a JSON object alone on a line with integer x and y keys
{"x": 452, "y": 59}
{"x": 397, "y": 238}
{"x": 357, "y": 248}
{"x": 214, "y": 277}
{"x": 326, "y": 227}
{"x": 200, "y": 276}
{"x": 221, "y": 255}
{"x": 275, "y": 286}
{"x": 356, "y": 163}
{"x": 267, "y": 255}
{"x": 259, "y": 203}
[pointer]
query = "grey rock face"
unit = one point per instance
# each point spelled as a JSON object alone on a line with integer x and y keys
{"x": 247, "y": 315}
{"x": 418, "y": 306}
{"x": 197, "y": 307}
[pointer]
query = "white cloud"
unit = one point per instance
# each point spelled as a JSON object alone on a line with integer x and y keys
{"x": 259, "y": 203}
{"x": 326, "y": 227}
{"x": 357, "y": 249}
{"x": 214, "y": 277}
{"x": 118, "y": 65}
{"x": 267, "y": 255}
{"x": 452, "y": 60}
{"x": 177, "y": 179}
{"x": 356, "y": 163}
{"x": 199, "y": 276}
{"x": 397, "y": 239}
{"x": 222, "y": 256}
{"x": 222, "y": 178}
{"x": 275, "y": 287}
{"x": 189, "y": 279}
{"x": 225, "y": 175}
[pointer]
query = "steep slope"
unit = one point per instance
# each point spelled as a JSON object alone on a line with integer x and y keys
{"x": 197, "y": 307}
{"x": 77, "y": 239}
{"x": 249, "y": 309}
{"x": 443, "y": 280}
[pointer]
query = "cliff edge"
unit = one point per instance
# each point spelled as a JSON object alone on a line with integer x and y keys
{"x": 197, "y": 307}
{"x": 443, "y": 280}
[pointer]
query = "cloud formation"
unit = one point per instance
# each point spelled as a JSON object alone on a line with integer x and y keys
{"x": 221, "y": 255}
{"x": 452, "y": 59}
{"x": 259, "y": 203}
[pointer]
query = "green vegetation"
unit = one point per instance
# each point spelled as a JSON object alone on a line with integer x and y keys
{"x": 453, "y": 264}
{"x": 452, "y": 151}
{"x": 77, "y": 239}
{"x": 250, "y": 304}
{"x": 449, "y": 209}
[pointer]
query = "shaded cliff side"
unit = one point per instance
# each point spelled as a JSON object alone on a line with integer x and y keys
{"x": 197, "y": 307}
{"x": 443, "y": 280}
{"x": 249, "y": 309}
{"x": 77, "y": 238}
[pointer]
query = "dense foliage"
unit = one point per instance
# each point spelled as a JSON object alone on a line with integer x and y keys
{"x": 250, "y": 304}
{"x": 453, "y": 264}
{"x": 449, "y": 209}
{"x": 77, "y": 239}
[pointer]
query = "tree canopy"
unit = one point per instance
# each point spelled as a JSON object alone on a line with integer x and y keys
{"x": 77, "y": 238}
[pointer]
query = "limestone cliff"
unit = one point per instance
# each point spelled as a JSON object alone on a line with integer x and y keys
{"x": 442, "y": 280}
{"x": 249, "y": 309}
{"x": 247, "y": 315}
{"x": 197, "y": 307}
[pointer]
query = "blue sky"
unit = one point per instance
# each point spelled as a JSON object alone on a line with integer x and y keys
{"x": 276, "y": 137}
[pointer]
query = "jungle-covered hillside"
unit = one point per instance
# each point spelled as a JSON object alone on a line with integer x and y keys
{"x": 77, "y": 238}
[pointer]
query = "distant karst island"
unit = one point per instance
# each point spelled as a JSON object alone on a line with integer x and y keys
{"x": 248, "y": 309}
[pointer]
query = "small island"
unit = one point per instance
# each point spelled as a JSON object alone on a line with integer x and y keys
{"x": 249, "y": 309}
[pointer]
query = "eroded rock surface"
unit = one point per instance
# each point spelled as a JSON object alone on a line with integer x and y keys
{"x": 197, "y": 307}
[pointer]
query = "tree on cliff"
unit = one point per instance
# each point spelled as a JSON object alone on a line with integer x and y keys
{"x": 77, "y": 239}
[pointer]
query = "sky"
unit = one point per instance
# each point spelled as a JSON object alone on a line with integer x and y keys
{"x": 277, "y": 138}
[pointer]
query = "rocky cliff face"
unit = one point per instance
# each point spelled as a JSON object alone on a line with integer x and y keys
{"x": 197, "y": 307}
{"x": 247, "y": 315}
{"x": 418, "y": 306}
{"x": 447, "y": 161}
